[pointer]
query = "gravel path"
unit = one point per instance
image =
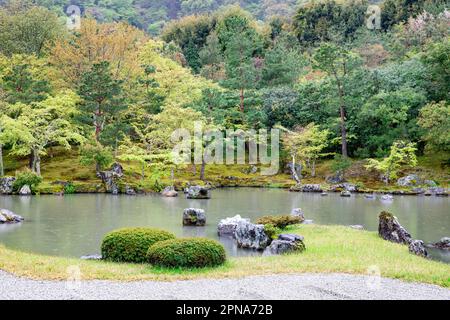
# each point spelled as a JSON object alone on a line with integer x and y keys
{"x": 301, "y": 286}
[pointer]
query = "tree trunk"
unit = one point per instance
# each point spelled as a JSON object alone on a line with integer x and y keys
{"x": 143, "y": 172}
{"x": 294, "y": 172}
{"x": 194, "y": 170}
{"x": 313, "y": 168}
{"x": 242, "y": 99}
{"x": 202, "y": 170}
{"x": 38, "y": 164}
{"x": 97, "y": 167}
{"x": 2, "y": 170}
{"x": 172, "y": 175}
{"x": 343, "y": 129}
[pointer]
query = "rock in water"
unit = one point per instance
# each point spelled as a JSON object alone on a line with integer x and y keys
{"x": 129, "y": 191}
{"x": 194, "y": 217}
{"x": 356, "y": 226}
{"x": 6, "y": 185}
{"x": 409, "y": 181}
{"x": 286, "y": 243}
{"x": 387, "y": 197}
{"x": 298, "y": 212}
{"x": 25, "y": 190}
{"x": 346, "y": 193}
{"x": 7, "y": 216}
{"x": 443, "y": 244}
{"x": 110, "y": 177}
{"x": 370, "y": 196}
{"x": 252, "y": 236}
{"x": 390, "y": 229}
{"x": 418, "y": 248}
{"x": 169, "y": 192}
{"x": 228, "y": 226}
{"x": 323, "y": 194}
{"x": 307, "y": 188}
{"x": 198, "y": 192}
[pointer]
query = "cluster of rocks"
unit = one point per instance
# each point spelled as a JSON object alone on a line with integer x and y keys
{"x": 110, "y": 178}
{"x": 194, "y": 217}
{"x": 6, "y": 185}
{"x": 7, "y": 216}
{"x": 307, "y": 188}
{"x": 253, "y": 236}
{"x": 198, "y": 192}
{"x": 443, "y": 244}
{"x": 390, "y": 229}
{"x": 422, "y": 186}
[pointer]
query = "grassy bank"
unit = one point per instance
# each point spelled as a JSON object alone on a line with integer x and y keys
{"x": 329, "y": 249}
{"x": 62, "y": 166}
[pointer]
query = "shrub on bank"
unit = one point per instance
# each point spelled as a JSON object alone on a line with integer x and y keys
{"x": 26, "y": 178}
{"x": 279, "y": 221}
{"x": 188, "y": 252}
{"x": 131, "y": 244}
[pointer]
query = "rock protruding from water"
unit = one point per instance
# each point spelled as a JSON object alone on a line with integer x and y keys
{"x": 6, "y": 185}
{"x": 194, "y": 217}
{"x": 169, "y": 192}
{"x": 25, "y": 190}
{"x": 370, "y": 196}
{"x": 410, "y": 180}
{"x": 129, "y": 190}
{"x": 345, "y": 193}
{"x": 110, "y": 177}
{"x": 251, "y": 236}
{"x": 390, "y": 229}
{"x": 298, "y": 212}
{"x": 417, "y": 247}
{"x": 387, "y": 197}
{"x": 198, "y": 192}
{"x": 286, "y": 243}
{"x": 7, "y": 216}
{"x": 443, "y": 244}
{"x": 227, "y": 226}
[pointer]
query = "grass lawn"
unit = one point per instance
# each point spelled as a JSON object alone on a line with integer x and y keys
{"x": 329, "y": 249}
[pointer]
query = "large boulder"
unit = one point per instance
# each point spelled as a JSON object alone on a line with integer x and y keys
{"x": 443, "y": 244}
{"x": 7, "y": 216}
{"x": 409, "y": 181}
{"x": 227, "y": 226}
{"x": 418, "y": 248}
{"x": 390, "y": 229}
{"x": 194, "y": 217}
{"x": 286, "y": 243}
{"x": 338, "y": 177}
{"x": 110, "y": 177}
{"x": 25, "y": 190}
{"x": 198, "y": 192}
{"x": 169, "y": 192}
{"x": 252, "y": 236}
{"x": 6, "y": 185}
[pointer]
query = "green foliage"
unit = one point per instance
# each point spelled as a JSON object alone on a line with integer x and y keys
{"x": 187, "y": 253}
{"x": 340, "y": 163}
{"x": 402, "y": 154}
{"x": 435, "y": 120}
{"x": 437, "y": 61}
{"x": 131, "y": 244}
{"x": 26, "y": 178}
{"x": 95, "y": 153}
{"x": 69, "y": 188}
{"x": 280, "y": 222}
{"x": 272, "y": 231}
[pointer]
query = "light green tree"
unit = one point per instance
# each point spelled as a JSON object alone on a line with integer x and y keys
{"x": 402, "y": 154}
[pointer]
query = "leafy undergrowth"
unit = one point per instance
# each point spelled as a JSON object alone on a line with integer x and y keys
{"x": 329, "y": 249}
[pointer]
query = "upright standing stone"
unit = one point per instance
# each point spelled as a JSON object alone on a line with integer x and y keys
{"x": 390, "y": 229}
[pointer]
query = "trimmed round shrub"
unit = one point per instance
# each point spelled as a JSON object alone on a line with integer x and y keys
{"x": 131, "y": 244}
{"x": 188, "y": 253}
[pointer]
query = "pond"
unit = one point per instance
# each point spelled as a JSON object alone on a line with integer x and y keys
{"x": 74, "y": 225}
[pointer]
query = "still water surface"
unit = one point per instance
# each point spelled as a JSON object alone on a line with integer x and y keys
{"x": 74, "y": 225}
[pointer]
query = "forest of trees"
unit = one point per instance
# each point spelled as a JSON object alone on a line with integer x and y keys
{"x": 331, "y": 84}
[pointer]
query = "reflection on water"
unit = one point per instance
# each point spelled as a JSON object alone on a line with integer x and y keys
{"x": 73, "y": 225}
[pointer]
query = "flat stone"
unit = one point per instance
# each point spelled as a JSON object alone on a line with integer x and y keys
{"x": 443, "y": 244}
{"x": 169, "y": 192}
{"x": 290, "y": 237}
{"x": 7, "y": 216}
{"x": 92, "y": 257}
{"x": 356, "y": 226}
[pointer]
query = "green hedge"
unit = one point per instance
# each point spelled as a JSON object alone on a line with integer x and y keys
{"x": 131, "y": 244}
{"x": 279, "y": 221}
{"x": 188, "y": 252}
